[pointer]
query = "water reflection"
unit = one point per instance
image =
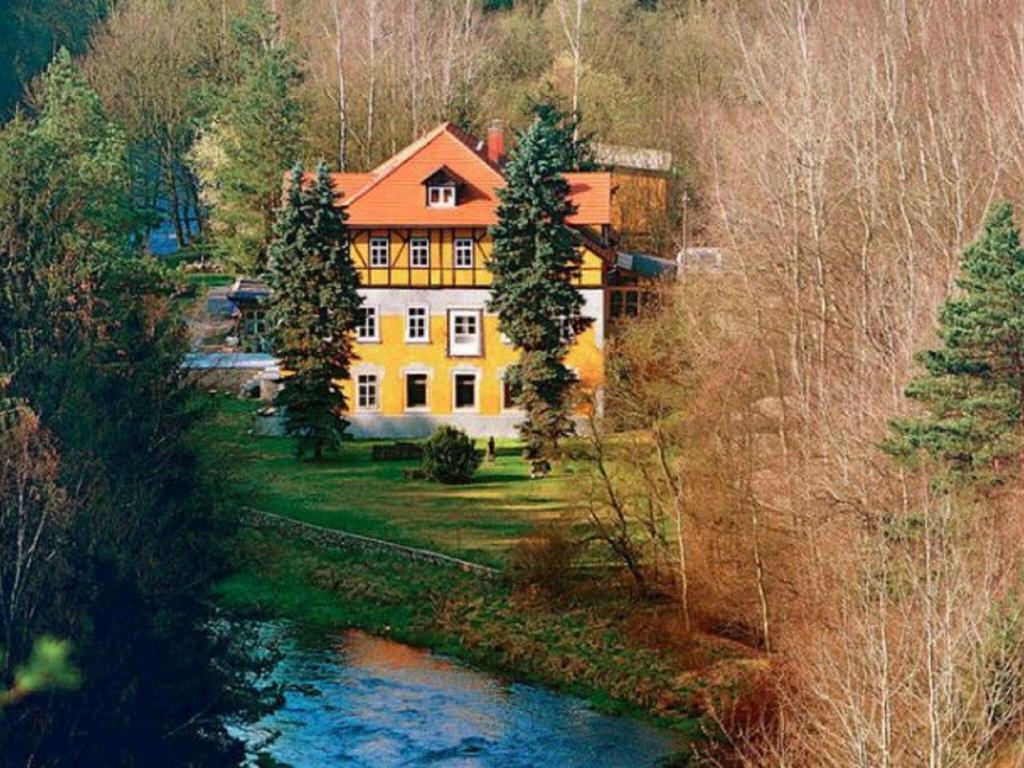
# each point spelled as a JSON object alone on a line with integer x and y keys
{"x": 368, "y": 701}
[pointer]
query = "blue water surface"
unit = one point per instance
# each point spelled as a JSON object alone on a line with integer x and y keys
{"x": 368, "y": 701}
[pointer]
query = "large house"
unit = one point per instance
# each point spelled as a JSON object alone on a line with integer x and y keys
{"x": 428, "y": 350}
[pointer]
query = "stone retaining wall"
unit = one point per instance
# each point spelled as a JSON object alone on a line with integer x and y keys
{"x": 334, "y": 539}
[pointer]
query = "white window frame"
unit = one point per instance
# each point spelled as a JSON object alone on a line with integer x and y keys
{"x": 405, "y": 390}
{"x": 463, "y": 242}
{"x": 375, "y": 251}
{"x": 465, "y": 348}
{"x": 415, "y": 243}
{"x": 374, "y": 311}
{"x": 372, "y": 379}
{"x": 475, "y": 408}
{"x": 444, "y": 198}
{"x": 425, "y": 338}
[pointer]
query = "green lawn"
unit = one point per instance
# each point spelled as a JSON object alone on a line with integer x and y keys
{"x": 478, "y": 521}
{"x": 207, "y": 279}
{"x": 598, "y": 641}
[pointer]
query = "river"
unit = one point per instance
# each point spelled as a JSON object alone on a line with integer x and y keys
{"x": 359, "y": 700}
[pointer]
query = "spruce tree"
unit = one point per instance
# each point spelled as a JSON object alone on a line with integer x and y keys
{"x": 313, "y": 311}
{"x": 534, "y": 260}
{"x": 972, "y": 388}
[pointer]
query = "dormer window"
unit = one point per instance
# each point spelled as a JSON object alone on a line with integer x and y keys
{"x": 441, "y": 196}
{"x": 443, "y": 188}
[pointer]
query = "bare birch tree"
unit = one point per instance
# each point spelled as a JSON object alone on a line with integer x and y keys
{"x": 868, "y": 140}
{"x": 570, "y": 14}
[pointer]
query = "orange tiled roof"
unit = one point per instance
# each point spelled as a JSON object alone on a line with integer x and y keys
{"x": 393, "y": 194}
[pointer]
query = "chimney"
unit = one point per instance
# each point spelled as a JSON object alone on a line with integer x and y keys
{"x": 495, "y": 141}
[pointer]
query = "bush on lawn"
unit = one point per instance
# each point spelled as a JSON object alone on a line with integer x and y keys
{"x": 544, "y": 560}
{"x": 449, "y": 456}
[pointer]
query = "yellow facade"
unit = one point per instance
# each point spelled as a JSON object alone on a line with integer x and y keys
{"x": 393, "y": 357}
{"x": 438, "y": 290}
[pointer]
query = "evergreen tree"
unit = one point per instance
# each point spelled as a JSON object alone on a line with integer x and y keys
{"x": 32, "y": 30}
{"x": 91, "y": 346}
{"x": 535, "y": 257}
{"x": 973, "y": 385}
{"x": 573, "y": 154}
{"x": 255, "y": 138}
{"x": 313, "y": 311}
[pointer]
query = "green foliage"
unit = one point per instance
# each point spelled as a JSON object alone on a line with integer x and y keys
{"x": 972, "y": 389}
{"x": 256, "y": 137}
{"x": 313, "y": 311}
{"x": 32, "y": 30}
{"x": 450, "y": 456}
{"x": 49, "y": 668}
{"x": 63, "y": 209}
{"x": 535, "y": 257}
{"x": 91, "y": 345}
{"x": 570, "y": 149}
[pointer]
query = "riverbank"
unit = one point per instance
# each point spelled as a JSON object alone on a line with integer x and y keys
{"x": 600, "y": 648}
{"x": 597, "y": 641}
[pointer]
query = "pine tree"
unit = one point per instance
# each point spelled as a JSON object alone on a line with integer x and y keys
{"x": 973, "y": 385}
{"x": 534, "y": 259}
{"x": 313, "y": 311}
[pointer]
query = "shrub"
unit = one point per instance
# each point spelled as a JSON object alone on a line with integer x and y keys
{"x": 544, "y": 559}
{"x": 449, "y": 456}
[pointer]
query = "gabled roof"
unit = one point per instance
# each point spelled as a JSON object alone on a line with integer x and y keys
{"x": 591, "y": 193}
{"x": 392, "y": 193}
{"x": 248, "y": 289}
{"x": 443, "y": 175}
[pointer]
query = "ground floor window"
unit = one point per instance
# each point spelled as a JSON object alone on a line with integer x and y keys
{"x": 416, "y": 390}
{"x": 465, "y": 390}
{"x": 368, "y": 391}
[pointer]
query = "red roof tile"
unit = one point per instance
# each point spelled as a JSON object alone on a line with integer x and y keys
{"x": 393, "y": 193}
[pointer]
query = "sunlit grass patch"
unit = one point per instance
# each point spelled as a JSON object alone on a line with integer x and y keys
{"x": 479, "y": 521}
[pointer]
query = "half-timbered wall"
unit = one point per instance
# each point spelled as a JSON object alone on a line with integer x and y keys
{"x": 442, "y": 271}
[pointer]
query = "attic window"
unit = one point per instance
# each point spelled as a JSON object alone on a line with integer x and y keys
{"x": 443, "y": 188}
{"x": 441, "y": 195}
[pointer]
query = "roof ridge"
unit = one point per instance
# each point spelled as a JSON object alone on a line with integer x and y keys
{"x": 399, "y": 159}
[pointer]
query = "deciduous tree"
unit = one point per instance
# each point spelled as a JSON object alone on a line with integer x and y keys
{"x": 254, "y": 137}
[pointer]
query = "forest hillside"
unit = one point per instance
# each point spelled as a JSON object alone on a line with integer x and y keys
{"x": 829, "y": 425}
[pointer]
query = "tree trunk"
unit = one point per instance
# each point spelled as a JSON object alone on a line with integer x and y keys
{"x": 371, "y": 88}
{"x": 342, "y": 97}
